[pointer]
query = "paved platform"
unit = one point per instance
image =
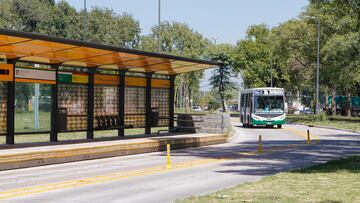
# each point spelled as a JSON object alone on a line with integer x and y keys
{"x": 12, "y": 158}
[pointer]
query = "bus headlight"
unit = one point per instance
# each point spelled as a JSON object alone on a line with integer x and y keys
{"x": 256, "y": 117}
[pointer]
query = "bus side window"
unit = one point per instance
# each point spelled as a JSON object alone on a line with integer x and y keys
{"x": 242, "y": 102}
{"x": 251, "y": 102}
{"x": 248, "y": 105}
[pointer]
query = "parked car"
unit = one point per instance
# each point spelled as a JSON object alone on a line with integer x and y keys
{"x": 197, "y": 108}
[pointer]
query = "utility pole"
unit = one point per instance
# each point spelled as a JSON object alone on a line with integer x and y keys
{"x": 317, "y": 105}
{"x": 159, "y": 24}
{"x": 318, "y": 67}
{"x": 85, "y": 13}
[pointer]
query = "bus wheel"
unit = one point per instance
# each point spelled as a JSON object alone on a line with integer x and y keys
{"x": 251, "y": 125}
{"x": 279, "y": 126}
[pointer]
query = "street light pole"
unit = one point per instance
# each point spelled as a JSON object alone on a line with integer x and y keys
{"x": 159, "y": 21}
{"x": 85, "y": 13}
{"x": 318, "y": 66}
{"x": 317, "y": 106}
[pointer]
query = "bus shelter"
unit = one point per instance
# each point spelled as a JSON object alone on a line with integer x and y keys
{"x": 91, "y": 86}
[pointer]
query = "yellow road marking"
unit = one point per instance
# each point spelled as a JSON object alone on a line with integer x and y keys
{"x": 100, "y": 179}
{"x": 136, "y": 173}
{"x": 314, "y": 138}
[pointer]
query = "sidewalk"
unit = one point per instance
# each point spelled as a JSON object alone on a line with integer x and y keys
{"x": 53, "y": 154}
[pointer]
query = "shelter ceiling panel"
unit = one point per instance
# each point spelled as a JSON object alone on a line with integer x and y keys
{"x": 78, "y": 54}
{"x": 6, "y": 39}
{"x": 114, "y": 58}
{"x": 38, "y": 48}
{"x": 34, "y": 48}
{"x": 181, "y": 70}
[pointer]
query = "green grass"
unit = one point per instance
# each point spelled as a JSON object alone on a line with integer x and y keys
{"x": 24, "y": 122}
{"x": 349, "y": 123}
{"x": 333, "y": 182}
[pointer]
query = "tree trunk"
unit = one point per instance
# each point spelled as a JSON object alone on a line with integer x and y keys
{"x": 348, "y": 104}
{"x": 223, "y": 101}
{"x": 327, "y": 102}
{"x": 333, "y": 102}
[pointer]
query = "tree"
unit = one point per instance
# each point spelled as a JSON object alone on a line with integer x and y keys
{"x": 106, "y": 27}
{"x": 340, "y": 42}
{"x": 221, "y": 80}
{"x": 253, "y": 56}
{"x": 178, "y": 39}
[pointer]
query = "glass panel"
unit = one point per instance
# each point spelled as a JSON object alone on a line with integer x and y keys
{"x": 160, "y": 101}
{"x": 72, "y": 107}
{"x": 269, "y": 104}
{"x": 32, "y": 107}
{"x": 135, "y": 106}
{"x": 106, "y": 104}
{"x": 276, "y": 104}
{"x": 3, "y": 106}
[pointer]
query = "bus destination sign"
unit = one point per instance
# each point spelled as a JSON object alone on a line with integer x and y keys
{"x": 269, "y": 92}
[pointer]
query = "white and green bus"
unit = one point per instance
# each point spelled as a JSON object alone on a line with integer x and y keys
{"x": 262, "y": 107}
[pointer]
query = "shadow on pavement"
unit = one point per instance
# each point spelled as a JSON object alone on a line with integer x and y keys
{"x": 287, "y": 155}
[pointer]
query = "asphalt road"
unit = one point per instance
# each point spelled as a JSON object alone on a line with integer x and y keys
{"x": 195, "y": 171}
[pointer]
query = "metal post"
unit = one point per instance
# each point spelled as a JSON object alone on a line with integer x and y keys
{"x": 171, "y": 102}
{"x": 10, "y": 138}
{"x": 271, "y": 76}
{"x": 54, "y": 107}
{"x": 308, "y": 137}
{"x": 260, "y": 148}
{"x": 121, "y": 119}
{"x": 318, "y": 65}
{"x": 90, "y": 106}
{"x": 148, "y": 103}
{"x": 85, "y": 13}
{"x": 168, "y": 157}
{"x": 159, "y": 24}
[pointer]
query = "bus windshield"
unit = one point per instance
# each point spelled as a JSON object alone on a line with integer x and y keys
{"x": 269, "y": 104}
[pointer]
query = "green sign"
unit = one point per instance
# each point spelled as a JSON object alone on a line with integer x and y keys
{"x": 65, "y": 77}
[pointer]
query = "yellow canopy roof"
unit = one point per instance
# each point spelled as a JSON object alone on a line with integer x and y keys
{"x": 44, "y": 49}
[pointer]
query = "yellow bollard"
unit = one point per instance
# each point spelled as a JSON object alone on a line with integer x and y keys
{"x": 260, "y": 149}
{"x": 168, "y": 165}
{"x": 308, "y": 137}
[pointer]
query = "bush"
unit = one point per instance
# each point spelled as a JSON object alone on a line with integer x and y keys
{"x": 319, "y": 117}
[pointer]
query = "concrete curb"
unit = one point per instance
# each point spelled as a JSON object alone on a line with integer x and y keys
{"x": 326, "y": 127}
{"x": 55, "y": 156}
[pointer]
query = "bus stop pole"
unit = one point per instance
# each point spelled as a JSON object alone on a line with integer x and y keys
{"x": 148, "y": 104}
{"x": 90, "y": 106}
{"x": 10, "y": 128}
{"x": 121, "y": 113}
{"x": 54, "y": 107}
{"x": 171, "y": 102}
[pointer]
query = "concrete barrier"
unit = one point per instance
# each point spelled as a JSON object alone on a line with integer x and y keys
{"x": 40, "y": 156}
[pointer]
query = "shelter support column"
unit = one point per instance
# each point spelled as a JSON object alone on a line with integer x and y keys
{"x": 90, "y": 106}
{"x": 10, "y": 125}
{"x": 171, "y": 103}
{"x": 148, "y": 103}
{"x": 121, "y": 113}
{"x": 54, "y": 107}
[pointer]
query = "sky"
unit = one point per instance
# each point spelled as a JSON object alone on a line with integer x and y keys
{"x": 223, "y": 20}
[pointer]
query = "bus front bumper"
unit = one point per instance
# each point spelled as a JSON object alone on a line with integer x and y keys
{"x": 264, "y": 122}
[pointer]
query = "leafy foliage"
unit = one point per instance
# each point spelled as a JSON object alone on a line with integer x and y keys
{"x": 221, "y": 80}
